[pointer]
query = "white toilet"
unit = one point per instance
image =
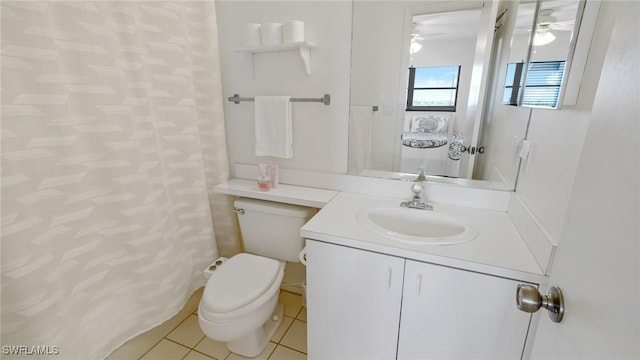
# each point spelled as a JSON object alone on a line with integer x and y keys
{"x": 238, "y": 305}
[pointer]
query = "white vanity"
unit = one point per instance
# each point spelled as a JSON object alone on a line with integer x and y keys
{"x": 373, "y": 296}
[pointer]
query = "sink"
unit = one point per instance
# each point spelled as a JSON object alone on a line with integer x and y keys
{"x": 416, "y": 226}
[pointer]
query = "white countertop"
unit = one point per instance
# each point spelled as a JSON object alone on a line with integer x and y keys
{"x": 498, "y": 250}
{"x": 289, "y": 194}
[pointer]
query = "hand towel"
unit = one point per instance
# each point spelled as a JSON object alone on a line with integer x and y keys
{"x": 360, "y": 138}
{"x": 273, "y": 127}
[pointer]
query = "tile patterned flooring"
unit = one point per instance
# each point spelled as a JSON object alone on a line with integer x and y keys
{"x": 180, "y": 338}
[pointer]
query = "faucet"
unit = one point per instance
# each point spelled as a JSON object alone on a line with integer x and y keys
{"x": 416, "y": 201}
{"x": 421, "y": 176}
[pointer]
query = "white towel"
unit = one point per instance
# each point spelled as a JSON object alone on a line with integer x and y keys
{"x": 360, "y": 138}
{"x": 273, "y": 128}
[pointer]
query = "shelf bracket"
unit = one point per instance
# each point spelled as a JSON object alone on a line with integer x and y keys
{"x": 305, "y": 55}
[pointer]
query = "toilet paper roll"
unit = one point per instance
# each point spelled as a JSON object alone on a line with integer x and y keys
{"x": 252, "y": 35}
{"x": 271, "y": 33}
{"x": 293, "y": 31}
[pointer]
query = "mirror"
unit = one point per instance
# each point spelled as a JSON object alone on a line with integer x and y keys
{"x": 391, "y": 137}
{"x": 381, "y": 57}
{"x": 537, "y": 75}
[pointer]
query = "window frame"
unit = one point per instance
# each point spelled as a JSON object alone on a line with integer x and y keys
{"x": 411, "y": 88}
{"x": 518, "y": 88}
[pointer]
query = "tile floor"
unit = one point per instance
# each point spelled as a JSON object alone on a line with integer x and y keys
{"x": 180, "y": 338}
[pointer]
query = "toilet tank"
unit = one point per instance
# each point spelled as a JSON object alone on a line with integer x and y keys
{"x": 272, "y": 229}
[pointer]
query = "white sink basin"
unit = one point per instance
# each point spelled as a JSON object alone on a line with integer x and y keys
{"x": 416, "y": 226}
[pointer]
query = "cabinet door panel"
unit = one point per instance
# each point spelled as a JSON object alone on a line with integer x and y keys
{"x": 455, "y": 314}
{"x": 353, "y": 302}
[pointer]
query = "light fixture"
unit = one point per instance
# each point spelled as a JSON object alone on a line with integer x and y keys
{"x": 543, "y": 36}
{"x": 415, "y": 46}
{"x": 415, "y": 36}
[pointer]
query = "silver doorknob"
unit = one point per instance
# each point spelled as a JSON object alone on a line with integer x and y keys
{"x": 529, "y": 299}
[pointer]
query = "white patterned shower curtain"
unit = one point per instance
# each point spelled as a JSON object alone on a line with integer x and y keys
{"x": 112, "y": 138}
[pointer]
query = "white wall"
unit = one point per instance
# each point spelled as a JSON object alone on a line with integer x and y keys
{"x": 546, "y": 180}
{"x": 319, "y": 132}
{"x": 597, "y": 264}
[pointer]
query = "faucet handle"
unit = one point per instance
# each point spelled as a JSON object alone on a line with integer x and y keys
{"x": 417, "y": 190}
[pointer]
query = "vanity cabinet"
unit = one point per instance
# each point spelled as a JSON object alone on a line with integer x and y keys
{"x": 452, "y": 313}
{"x": 353, "y": 302}
{"x": 366, "y": 305}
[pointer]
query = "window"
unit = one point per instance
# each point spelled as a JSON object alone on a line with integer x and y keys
{"x": 433, "y": 88}
{"x": 512, "y": 84}
{"x": 542, "y": 86}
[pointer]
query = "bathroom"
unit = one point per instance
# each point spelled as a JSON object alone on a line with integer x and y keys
{"x": 116, "y": 129}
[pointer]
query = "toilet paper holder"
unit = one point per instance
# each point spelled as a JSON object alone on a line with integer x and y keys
{"x": 213, "y": 266}
{"x": 303, "y": 256}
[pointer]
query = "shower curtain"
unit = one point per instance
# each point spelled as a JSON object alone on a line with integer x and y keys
{"x": 112, "y": 139}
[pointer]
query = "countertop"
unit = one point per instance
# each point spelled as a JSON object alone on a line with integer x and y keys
{"x": 290, "y": 194}
{"x": 498, "y": 250}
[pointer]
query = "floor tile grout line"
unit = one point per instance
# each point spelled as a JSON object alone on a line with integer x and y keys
{"x": 290, "y": 292}
{"x": 207, "y": 355}
{"x": 164, "y": 337}
{"x": 272, "y": 351}
{"x": 286, "y": 331}
{"x": 177, "y": 342}
{"x": 290, "y": 348}
{"x": 198, "y": 343}
{"x": 285, "y": 334}
{"x": 300, "y": 312}
{"x": 183, "y": 345}
{"x": 187, "y": 354}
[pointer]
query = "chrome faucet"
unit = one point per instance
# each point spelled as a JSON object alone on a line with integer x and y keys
{"x": 416, "y": 201}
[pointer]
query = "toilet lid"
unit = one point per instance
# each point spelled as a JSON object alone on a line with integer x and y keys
{"x": 239, "y": 281}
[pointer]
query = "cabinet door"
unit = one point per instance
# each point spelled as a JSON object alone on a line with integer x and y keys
{"x": 353, "y": 302}
{"x": 454, "y": 314}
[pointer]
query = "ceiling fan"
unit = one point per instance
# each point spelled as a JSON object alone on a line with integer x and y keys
{"x": 546, "y": 23}
{"x": 415, "y": 36}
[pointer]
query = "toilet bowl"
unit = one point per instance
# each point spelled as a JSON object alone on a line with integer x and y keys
{"x": 238, "y": 305}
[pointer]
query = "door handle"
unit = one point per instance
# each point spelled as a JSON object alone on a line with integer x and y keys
{"x": 529, "y": 299}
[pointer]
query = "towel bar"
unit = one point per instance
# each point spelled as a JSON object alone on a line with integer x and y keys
{"x": 326, "y": 99}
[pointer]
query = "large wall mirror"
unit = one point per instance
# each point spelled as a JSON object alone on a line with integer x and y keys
{"x": 423, "y": 84}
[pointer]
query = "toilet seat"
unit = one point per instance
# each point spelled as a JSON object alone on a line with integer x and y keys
{"x": 242, "y": 283}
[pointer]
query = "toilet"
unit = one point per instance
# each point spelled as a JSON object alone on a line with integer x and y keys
{"x": 239, "y": 304}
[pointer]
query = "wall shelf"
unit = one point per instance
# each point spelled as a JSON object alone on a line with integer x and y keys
{"x": 290, "y": 194}
{"x": 303, "y": 48}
